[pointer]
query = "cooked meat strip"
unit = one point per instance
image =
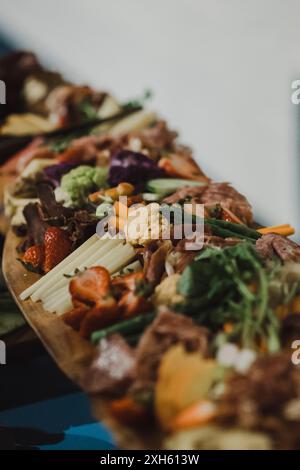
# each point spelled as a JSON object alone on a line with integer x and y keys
{"x": 264, "y": 245}
{"x": 271, "y": 244}
{"x": 230, "y": 199}
{"x": 112, "y": 369}
{"x": 191, "y": 192}
{"x": 89, "y": 149}
{"x": 14, "y": 68}
{"x": 156, "y": 266}
{"x": 157, "y": 137}
{"x": 36, "y": 226}
{"x": 53, "y": 212}
{"x": 81, "y": 226}
{"x": 215, "y": 193}
{"x": 167, "y": 329}
{"x": 64, "y": 103}
{"x": 184, "y": 257}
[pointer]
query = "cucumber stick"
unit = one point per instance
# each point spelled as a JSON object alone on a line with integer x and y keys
{"x": 166, "y": 186}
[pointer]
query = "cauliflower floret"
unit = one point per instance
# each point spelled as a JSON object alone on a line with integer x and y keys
{"x": 166, "y": 292}
{"x": 145, "y": 223}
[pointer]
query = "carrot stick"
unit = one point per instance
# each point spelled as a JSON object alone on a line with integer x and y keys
{"x": 284, "y": 229}
{"x": 197, "y": 414}
{"x": 230, "y": 216}
{"x": 127, "y": 411}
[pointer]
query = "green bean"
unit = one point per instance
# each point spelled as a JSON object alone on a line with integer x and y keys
{"x": 126, "y": 327}
{"x": 233, "y": 227}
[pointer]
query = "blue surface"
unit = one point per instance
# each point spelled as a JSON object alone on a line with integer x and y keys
{"x": 69, "y": 415}
{"x": 5, "y": 47}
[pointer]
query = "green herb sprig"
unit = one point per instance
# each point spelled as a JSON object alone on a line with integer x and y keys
{"x": 217, "y": 289}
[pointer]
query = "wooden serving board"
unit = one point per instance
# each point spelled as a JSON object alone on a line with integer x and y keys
{"x": 4, "y": 222}
{"x": 72, "y": 353}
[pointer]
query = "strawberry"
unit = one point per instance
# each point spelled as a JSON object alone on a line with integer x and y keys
{"x": 57, "y": 246}
{"x": 94, "y": 306}
{"x": 33, "y": 258}
{"x": 99, "y": 317}
{"x": 75, "y": 316}
{"x": 91, "y": 286}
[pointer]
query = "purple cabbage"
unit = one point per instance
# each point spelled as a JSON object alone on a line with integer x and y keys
{"x": 132, "y": 167}
{"x": 54, "y": 173}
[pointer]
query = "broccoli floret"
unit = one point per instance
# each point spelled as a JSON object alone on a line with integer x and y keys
{"x": 83, "y": 180}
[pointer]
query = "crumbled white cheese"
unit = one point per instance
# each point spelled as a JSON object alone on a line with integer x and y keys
{"x": 245, "y": 359}
{"x": 227, "y": 355}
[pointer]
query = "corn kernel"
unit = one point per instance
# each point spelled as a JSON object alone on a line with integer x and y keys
{"x": 112, "y": 193}
{"x": 125, "y": 189}
{"x": 295, "y": 305}
{"x": 95, "y": 197}
{"x": 228, "y": 327}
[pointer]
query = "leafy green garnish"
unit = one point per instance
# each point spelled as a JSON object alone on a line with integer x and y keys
{"x": 61, "y": 144}
{"x": 88, "y": 110}
{"x": 138, "y": 102}
{"x": 218, "y": 288}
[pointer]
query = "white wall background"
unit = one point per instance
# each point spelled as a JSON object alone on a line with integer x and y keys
{"x": 221, "y": 71}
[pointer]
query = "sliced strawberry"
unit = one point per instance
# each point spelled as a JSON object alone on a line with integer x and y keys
{"x": 57, "y": 247}
{"x": 128, "y": 282}
{"x": 33, "y": 257}
{"x": 132, "y": 304}
{"x": 75, "y": 316}
{"x": 91, "y": 285}
{"x": 99, "y": 317}
{"x": 131, "y": 301}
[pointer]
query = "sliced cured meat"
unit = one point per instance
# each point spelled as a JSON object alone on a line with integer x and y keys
{"x": 271, "y": 244}
{"x": 156, "y": 266}
{"x": 187, "y": 192}
{"x": 286, "y": 249}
